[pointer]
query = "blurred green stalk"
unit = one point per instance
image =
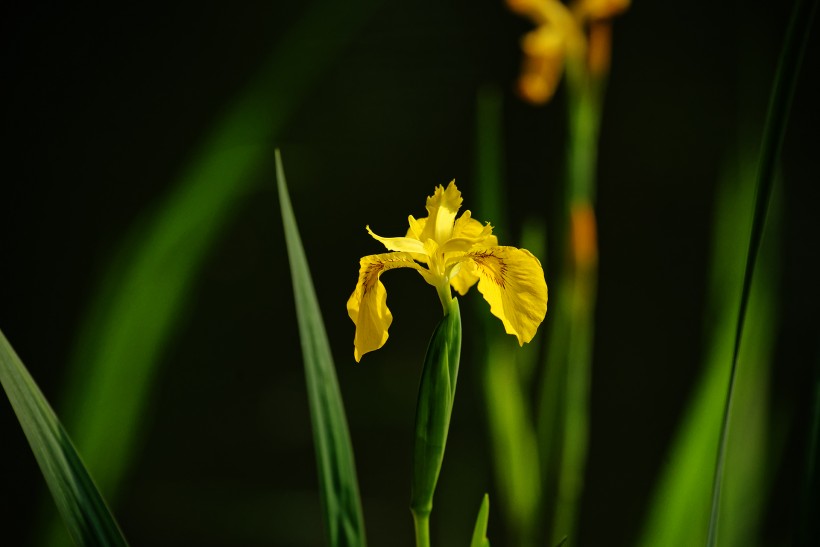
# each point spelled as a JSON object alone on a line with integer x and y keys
{"x": 564, "y": 430}
{"x": 536, "y": 460}
{"x": 507, "y": 369}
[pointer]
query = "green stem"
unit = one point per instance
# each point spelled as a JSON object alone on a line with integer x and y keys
{"x": 422, "y": 524}
{"x": 446, "y": 296}
{"x": 578, "y": 284}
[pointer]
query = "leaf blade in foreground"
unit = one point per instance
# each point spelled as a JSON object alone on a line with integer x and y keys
{"x": 334, "y": 450}
{"x": 83, "y": 509}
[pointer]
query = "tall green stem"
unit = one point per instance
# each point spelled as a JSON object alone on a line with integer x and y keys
{"x": 578, "y": 285}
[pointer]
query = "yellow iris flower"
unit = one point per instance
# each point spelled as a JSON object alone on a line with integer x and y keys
{"x": 450, "y": 252}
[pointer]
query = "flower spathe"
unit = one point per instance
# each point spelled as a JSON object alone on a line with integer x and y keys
{"x": 450, "y": 252}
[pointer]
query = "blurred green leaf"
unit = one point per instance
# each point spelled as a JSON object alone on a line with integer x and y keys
{"x": 480, "y": 530}
{"x": 334, "y": 450}
{"x": 679, "y": 509}
{"x": 81, "y": 506}
{"x": 774, "y": 131}
{"x": 149, "y": 283}
{"x": 514, "y": 444}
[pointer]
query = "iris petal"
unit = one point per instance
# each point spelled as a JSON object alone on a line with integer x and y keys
{"x": 512, "y": 282}
{"x": 468, "y": 227}
{"x": 469, "y": 233}
{"x": 416, "y": 228}
{"x": 367, "y": 306}
{"x": 465, "y": 278}
{"x": 401, "y": 244}
{"x": 442, "y": 208}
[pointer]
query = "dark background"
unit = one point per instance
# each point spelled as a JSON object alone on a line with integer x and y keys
{"x": 102, "y": 106}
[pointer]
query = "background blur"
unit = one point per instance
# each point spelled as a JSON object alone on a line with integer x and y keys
{"x": 104, "y": 109}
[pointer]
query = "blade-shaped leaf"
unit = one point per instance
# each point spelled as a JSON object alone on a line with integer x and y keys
{"x": 334, "y": 451}
{"x": 145, "y": 291}
{"x": 150, "y": 284}
{"x": 679, "y": 509}
{"x": 82, "y": 507}
{"x": 777, "y": 116}
{"x": 480, "y": 530}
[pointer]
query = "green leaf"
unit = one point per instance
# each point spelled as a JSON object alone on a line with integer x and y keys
{"x": 334, "y": 451}
{"x": 480, "y": 530}
{"x": 678, "y": 513}
{"x": 145, "y": 291}
{"x": 777, "y": 116}
{"x": 514, "y": 442}
{"x": 82, "y": 507}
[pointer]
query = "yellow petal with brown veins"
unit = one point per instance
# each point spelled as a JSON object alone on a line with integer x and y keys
{"x": 512, "y": 282}
{"x": 367, "y": 306}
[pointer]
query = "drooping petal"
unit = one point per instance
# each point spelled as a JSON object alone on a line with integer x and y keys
{"x": 401, "y": 244}
{"x": 464, "y": 274}
{"x": 442, "y": 208}
{"x": 512, "y": 282}
{"x": 367, "y": 306}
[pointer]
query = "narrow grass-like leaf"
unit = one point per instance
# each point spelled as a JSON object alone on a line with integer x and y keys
{"x": 774, "y": 132}
{"x": 143, "y": 294}
{"x": 514, "y": 445}
{"x": 480, "y": 529}
{"x": 678, "y": 511}
{"x": 334, "y": 450}
{"x": 81, "y": 506}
